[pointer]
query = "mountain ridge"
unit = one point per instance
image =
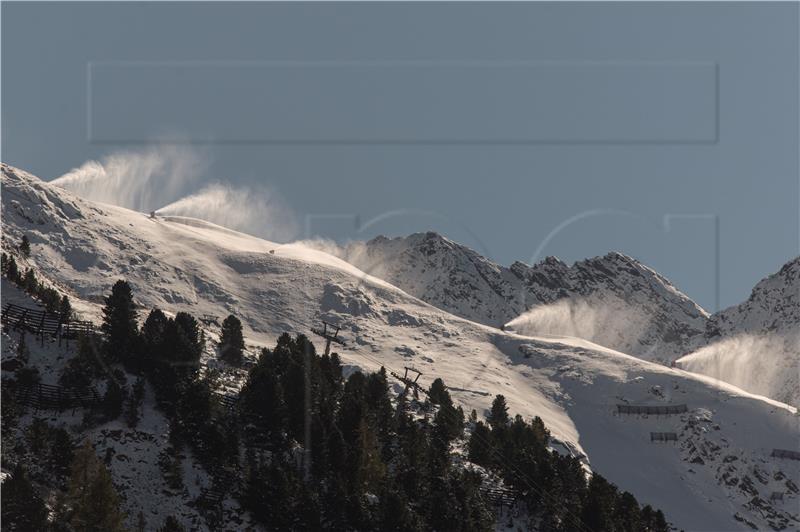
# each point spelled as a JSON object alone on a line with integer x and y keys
{"x": 572, "y": 384}
{"x": 457, "y": 279}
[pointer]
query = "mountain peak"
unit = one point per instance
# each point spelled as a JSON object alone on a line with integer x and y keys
{"x": 459, "y": 280}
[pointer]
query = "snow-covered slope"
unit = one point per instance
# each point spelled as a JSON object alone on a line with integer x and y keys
{"x": 612, "y": 300}
{"x": 718, "y": 476}
{"x": 773, "y": 306}
{"x": 756, "y": 344}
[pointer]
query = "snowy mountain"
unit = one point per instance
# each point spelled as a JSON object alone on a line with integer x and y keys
{"x": 718, "y": 475}
{"x": 613, "y": 300}
{"x": 773, "y": 306}
{"x": 756, "y": 344}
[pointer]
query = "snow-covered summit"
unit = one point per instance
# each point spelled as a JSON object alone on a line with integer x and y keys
{"x": 756, "y": 344}
{"x": 718, "y": 475}
{"x": 773, "y": 306}
{"x": 610, "y": 292}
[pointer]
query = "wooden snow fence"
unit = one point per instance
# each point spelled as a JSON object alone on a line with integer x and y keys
{"x": 51, "y": 397}
{"x": 660, "y": 410}
{"x": 43, "y": 324}
{"x": 37, "y": 321}
{"x": 785, "y": 453}
{"x": 227, "y": 401}
{"x": 663, "y": 436}
{"x": 498, "y": 496}
{"x": 75, "y": 328}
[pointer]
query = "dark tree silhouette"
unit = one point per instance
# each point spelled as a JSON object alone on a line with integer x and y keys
{"x": 231, "y": 342}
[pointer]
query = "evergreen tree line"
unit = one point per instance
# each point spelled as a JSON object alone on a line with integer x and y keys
{"x": 316, "y": 450}
{"x": 552, "y": 486}
{"x": 362, "y": 463}
{"x": 320, "y": 450}
{"x": 47, "y": 295}
{"x": 87, "y": 501}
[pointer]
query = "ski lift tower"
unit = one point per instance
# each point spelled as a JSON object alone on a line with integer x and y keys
{"x": 406, "y": 379}
{"x": 331, "y": 334}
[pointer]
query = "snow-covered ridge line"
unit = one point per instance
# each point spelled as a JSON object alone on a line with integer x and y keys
{"x": 620, "y": 303}
{"x": 756, "y": 344}
{"x": 572, "y": 384}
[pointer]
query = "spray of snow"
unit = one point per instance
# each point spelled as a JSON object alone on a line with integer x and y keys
{"x": 140, "y": 180}
{"x": 758, "y": 363}
{"x": 258, "y": 211}
{"x": 166, "y": 178}
{"x": 609, "y": 322}
{"x": 355, "y": 252}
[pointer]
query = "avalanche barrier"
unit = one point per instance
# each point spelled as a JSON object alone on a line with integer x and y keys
{"x": 663, "y": 410}
{"x": 43, "y": 323}
{"x": 663, "y": 436}
{"x": 51, "y": 397}
{"x": 785, "y": 453}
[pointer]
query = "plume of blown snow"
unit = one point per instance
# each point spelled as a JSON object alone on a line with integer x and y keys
{"x": 609, "y": 322}
{"x": 140, "y": 180}
{"x": 355, "y": 252}
{"x": 764, "y": 364}
{"x": 258, "y": 211}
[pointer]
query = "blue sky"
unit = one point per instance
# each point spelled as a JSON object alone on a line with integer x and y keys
{"x": 667, "y": 131}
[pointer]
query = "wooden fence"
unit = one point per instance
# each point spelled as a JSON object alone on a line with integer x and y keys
{"x": 663, "y": 436}
{"x": 52, "y": 397}
{"x": 660, "y": 410}
{"x": 498, "y": 496}
{"x": 785, "y": 453}
{"x": 43, "y": 324}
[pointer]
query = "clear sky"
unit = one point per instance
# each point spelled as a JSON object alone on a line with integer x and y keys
{"x": 519, "y": 129}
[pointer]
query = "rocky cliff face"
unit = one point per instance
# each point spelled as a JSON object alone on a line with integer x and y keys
{"x": 613, "y": 300}
{"x": 773, "y": 306}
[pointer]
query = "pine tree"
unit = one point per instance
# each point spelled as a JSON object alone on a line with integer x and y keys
{"x": 231, "y": 342}
{"x": 480, "y": 446}
{"x": 152, "y": 343}
{"x": 371, "y": 469}
{"x": 29, "y": 282}
{"x": 381, "y": 414}
{"x": 184, "y": 342}
{"x": 49, "y": 297}
{"x": 119, "y": 323}
{"x": 659, "y": 523}
{"x": 22, "y": 508}
{"x": 598, "y": 510}
{"x": 627, "y": 513}
{"x": 395, "y": 514}
{"x": 653, "y": 520}
{"x": 498, "y": 417}
{"x": 25, "y": 246}
{"x": 12, "y": 271}
{"x": 65, "y": 309}
{"x": 262, "y": 396}
{"x": 92, "y": 503}
{"x": 449, "y": 420}
{"x": 438, "y": 392}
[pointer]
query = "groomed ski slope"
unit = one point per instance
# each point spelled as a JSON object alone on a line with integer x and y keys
{"x": 708, "y": 480}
